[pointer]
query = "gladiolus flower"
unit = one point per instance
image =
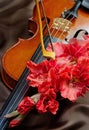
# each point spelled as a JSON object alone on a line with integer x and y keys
{"x": 15, "y": 122}
{"x": 25, "y": 105}
{"x": 47, "y": 102}
{"x": 67, "y": 75}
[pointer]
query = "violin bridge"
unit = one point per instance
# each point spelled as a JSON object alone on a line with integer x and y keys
{"x": 61, "y": 24}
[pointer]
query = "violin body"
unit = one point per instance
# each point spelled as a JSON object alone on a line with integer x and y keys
{"x": 15, "y": 59}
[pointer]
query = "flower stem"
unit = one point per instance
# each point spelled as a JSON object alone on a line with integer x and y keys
{"x": 36, "y": 97}
{"x": 12, "y": 114}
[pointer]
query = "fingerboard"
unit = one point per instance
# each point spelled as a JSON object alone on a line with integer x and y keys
{"x": 21, "y": 88}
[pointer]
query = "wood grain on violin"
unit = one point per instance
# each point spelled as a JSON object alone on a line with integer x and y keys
{"x": 15, "y": 59}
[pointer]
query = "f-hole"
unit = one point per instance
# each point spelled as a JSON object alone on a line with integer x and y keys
{"x": 32, "y": 28}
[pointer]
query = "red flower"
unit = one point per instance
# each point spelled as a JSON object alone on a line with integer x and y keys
{"x": 44, "y": 87}
{"x": 78, "y": 83}
{"x": 47, "y": 102}
{"x": 86, "y": 37}
{"x": 38, "y": 73}
{"x": 74, "y": 50}
{"x": 40, "y": 77}
{"x": 44, "y": 78}
{"x": 81, "y": 70}
{"x": 57, "y": 74}
{"x": 66, "y": 74}
{"x": 14, "y": 123}
{"x": 25, "y": 105}
{"x": 53, "y": 106}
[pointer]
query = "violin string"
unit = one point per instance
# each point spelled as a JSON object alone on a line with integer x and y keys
{"x": 60, "y": 35}
{"x": 53, "y": 29}
{"x": 59, "y": 30}
{"x": 16, "y": 99}
{"x": 60, "y": 26}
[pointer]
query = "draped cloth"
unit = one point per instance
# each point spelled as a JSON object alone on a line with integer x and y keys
{"x": 71, "y": 116}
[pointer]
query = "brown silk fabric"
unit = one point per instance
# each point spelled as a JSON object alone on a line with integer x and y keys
{"x": 14, "y": 16}
{"x": 13, "y": 24}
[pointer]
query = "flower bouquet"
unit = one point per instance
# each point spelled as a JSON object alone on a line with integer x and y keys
{"x": 65, "y": 77}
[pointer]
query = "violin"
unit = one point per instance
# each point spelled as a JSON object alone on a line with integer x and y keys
{"x": 15, "y": 59}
